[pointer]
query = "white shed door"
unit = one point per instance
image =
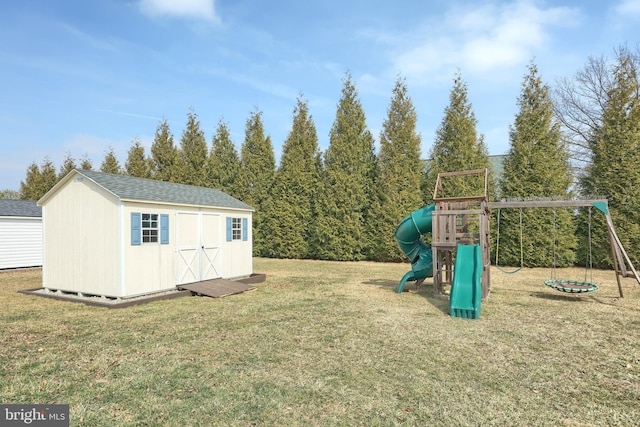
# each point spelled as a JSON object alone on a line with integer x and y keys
{"x": 198, "y": 246}
{"x": 210, "y": 246}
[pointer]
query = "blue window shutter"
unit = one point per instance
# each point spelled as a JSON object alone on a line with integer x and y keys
{"x": 136, "y": 234}
{"x": 245, "y": 229}
{"x": 229, "y": 230}
{"x": 164, "y": 229}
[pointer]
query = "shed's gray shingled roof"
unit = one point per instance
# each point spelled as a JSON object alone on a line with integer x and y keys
{"x": 141, "y": 189}
{"x": 26, "y": 208}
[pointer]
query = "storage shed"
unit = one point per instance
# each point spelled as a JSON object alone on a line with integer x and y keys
{"x": 20, "y": 234}
{"x": 118, "y": 236}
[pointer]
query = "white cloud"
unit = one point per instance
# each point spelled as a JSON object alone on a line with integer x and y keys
{"x": 482, "y": 38}
{"x": 628, "y": 8}
{"x": 193, "y": 9}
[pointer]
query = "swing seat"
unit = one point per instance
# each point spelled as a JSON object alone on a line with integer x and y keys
{"x": 509, "y": 272}
{"x": 571, "y": 286}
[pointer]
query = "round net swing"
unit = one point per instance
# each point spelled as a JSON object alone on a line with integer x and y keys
{"x": 572, "y": 286}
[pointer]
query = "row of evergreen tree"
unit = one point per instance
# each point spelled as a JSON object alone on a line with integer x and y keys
{"x": 344, "y": 204}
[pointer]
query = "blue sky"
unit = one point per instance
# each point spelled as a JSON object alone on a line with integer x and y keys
{"x": 81, "y": 76}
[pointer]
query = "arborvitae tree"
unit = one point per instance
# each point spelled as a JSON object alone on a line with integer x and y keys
{"x": 110, "y": 164}
{"x": 49, "y": 175}
{"x": 399, "y": 174}
{"x": 224, "y": 162}
{"x": 32, "y": 187}
{"x": 192, "y": 157}
{"x": 39, "y": 180}
{"x": 349, "y": 171}
{"x": 614, "y": 171}
{"x": 9, "y": 194}
{"x": 289, "y": 212}
{"x": 257, "y": 171}
{"x": 537, "y": 165}
{"x": 457, "y": 146}
{"x": 86, "y": 163}
{"x": 68, "y": 164}
{"x": 164, "y": 154}
{"x": 137, "y": 163}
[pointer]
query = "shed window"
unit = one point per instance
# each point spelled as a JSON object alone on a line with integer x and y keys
{"x": 149, "y": 228}
{"x": 236, "y": 228}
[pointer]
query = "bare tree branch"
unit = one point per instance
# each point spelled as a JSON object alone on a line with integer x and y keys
{"x": 580, "y": 101}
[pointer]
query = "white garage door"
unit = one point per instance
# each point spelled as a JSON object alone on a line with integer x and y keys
{"x": 198, "y": 246}
{"x": 20, "y": 242}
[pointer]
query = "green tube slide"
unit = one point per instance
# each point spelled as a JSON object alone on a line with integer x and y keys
{"x": 408, "y": 234}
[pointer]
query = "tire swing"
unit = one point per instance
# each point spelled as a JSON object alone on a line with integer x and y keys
{"x": 572, "y": 286}
{"x": 498, "y": 247}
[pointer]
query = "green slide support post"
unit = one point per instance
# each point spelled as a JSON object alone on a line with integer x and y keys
{"x": 408, "y": 234}
{"x": 466, "y": 288}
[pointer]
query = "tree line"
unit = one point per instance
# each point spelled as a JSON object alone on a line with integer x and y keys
{"x": 580, "y": 139}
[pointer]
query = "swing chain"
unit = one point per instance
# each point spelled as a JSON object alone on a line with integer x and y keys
{"x": 498, "y": 246}
{"x": 589, "y": 262}
{"x": 553, "y": 271}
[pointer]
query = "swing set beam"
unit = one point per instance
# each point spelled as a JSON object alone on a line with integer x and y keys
{"x": 545, "y": 203}
{"x": 618, "y": 252}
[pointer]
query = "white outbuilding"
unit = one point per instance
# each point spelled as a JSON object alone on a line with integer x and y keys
{"x": 20, "y": 234}
{"x": 119, "y": 237}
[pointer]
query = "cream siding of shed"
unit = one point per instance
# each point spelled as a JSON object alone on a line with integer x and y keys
{"x": 82, "y": 239}
{"x": 20, "y": 234}
{"x": 89, "y": 222}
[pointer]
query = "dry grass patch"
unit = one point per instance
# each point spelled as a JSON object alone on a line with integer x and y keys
{"x": 328, "y": 343}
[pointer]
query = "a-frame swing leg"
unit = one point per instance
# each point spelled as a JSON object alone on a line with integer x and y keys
{"x": 616, "y": 262}
{"x": 618, "y": 244}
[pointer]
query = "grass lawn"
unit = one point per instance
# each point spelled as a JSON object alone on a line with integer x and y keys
{"x": 328, "y": 343}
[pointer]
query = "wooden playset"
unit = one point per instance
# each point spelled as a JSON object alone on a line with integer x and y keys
{"x": 465, "y": 220}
